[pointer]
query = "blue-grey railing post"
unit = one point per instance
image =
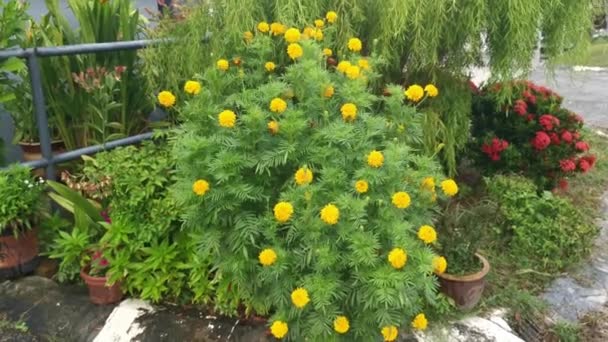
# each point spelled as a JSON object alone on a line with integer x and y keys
{"x": 41, "y": 115}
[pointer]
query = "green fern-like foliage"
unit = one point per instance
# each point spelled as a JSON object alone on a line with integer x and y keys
{"x": 233, "y": 171}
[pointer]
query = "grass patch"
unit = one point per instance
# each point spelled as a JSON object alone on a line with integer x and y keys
{"x": 596, "y": 56}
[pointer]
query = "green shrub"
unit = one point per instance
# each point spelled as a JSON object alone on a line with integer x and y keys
{"x": 269, "y": 165}
{"x": 522, "y": 127}
{"x": 143, "y": 243}
{"x": 21, "y": 198}
{"x": 548, "y": 232}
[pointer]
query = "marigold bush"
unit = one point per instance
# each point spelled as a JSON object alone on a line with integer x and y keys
{"x": 313, "y": 198}
{"x": 522, "y": 127}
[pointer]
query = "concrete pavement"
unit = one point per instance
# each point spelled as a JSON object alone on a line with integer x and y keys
{"x": 585, "y": 92}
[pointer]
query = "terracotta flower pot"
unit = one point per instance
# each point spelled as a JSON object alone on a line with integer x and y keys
{"x": 18, "y": 256}
{"x": 33, "y": 151}
{"x": 99, "y": 291}
{"x": 466, "y": 290}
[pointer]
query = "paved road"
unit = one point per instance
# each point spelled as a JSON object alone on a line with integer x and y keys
{"x": 584, "y": 92}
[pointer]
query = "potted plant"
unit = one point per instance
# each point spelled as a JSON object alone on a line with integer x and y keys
{"x": 94, "y": 275}
{"x": 79, "y": 251}
{"x": 26, "y": 130}
{"x": 464, "y": 278}
{"x": 19, "y": 216}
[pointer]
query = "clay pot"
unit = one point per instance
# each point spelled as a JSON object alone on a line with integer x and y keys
{"x": 466, "y": 290}
{"x": 99, "y": 291}
{"x": 33, "y": 151}
{"x": 18, "y": 256}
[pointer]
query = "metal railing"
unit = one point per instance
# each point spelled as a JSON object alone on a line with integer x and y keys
{"x": 31, "y": 55}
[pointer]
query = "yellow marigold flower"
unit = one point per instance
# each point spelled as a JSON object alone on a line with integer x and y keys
{"x": 267, "y": 257}
{"x": 292, "y": 35}
{"x": 353, "y": 72}
{"x": 248, "y": 36}
{"x": 363, "y": 64}
{"x": 331, "y": 17}
{"x": 390, "y": 333}
{"x": 414, "y": 93}
{"x": 223, "y": 64}
{"x": 227, "y": 119}
{"x": 277, "y": 29}
{"x": 319, "y": 35}
{"x": 303, "y": 176}
{"x": 419, "y": 322}
{"x": 327, "y": 52}
{"x": 449, "y": 187}
{"x": 308, "y": 32}
{"x": 349, "y": 112}
{"x": 278, "y": 105}
{"x": 279, "y": 329}
{"x": 431, "y": 90}
{"x": 361, "y": 186}
{"x": 427, "y": 234}
{"x": 319, "y": 23}
{"x": 401, "y": 200}
{"x": 428, "y": 183}
{"x": 273, "y": 127}
{"x": 343, "y": 66}
{"x": 166, "y": 99}
{"x": 341, "y": 325}
{"x": 294, "y": 51}
{"x": 192, "y": 87}
{"x": 200, "y": 187}
{"x": 354, "y": 44}
{"x": 283, "y": 211}
{"x": 375, "y": 159}
{"x": 299, "y": 297}
{"x": 328, "y": 91}
{"x": 263, "y": 27}
{"x": 397, "y": 258}
{"x": 330, "y": 214}
{"x": 270, "y": 66}
{"x": 439, "y": 264}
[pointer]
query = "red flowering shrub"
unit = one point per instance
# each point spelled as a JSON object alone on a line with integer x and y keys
{"x": 522, "y": 127}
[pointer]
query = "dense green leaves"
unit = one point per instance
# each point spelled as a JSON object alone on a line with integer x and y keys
{"x": 21, "y": 196}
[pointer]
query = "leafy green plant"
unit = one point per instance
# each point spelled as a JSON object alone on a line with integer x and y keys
{"x": 21, "y": 199}
{"x": 459, "y": 229}
{"x": 145, "y": 247}
{"x": 308, "y": 197}
{"x": 71, "y": 107}
{"x": 547, "y": 232}
{"x": 78, "y": 247}
{"x": 13, "y": 18}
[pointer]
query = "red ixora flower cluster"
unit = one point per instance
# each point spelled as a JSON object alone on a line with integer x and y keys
{"x": 586, "y": 162}
{"x": 548, "y": 122}
{"x": 494, "y": 148}
{"x": 541, "y": 141}
{"x": 544, "y": 137}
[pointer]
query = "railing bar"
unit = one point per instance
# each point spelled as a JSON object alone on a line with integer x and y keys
{"x": 75, "y": 154}
{"x": 40, "y": 114}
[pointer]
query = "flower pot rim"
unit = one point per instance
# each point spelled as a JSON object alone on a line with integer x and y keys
{"x": 92, "y": 280}
{"x": 469, "y": 277}
{"x": 37, "y": 143}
